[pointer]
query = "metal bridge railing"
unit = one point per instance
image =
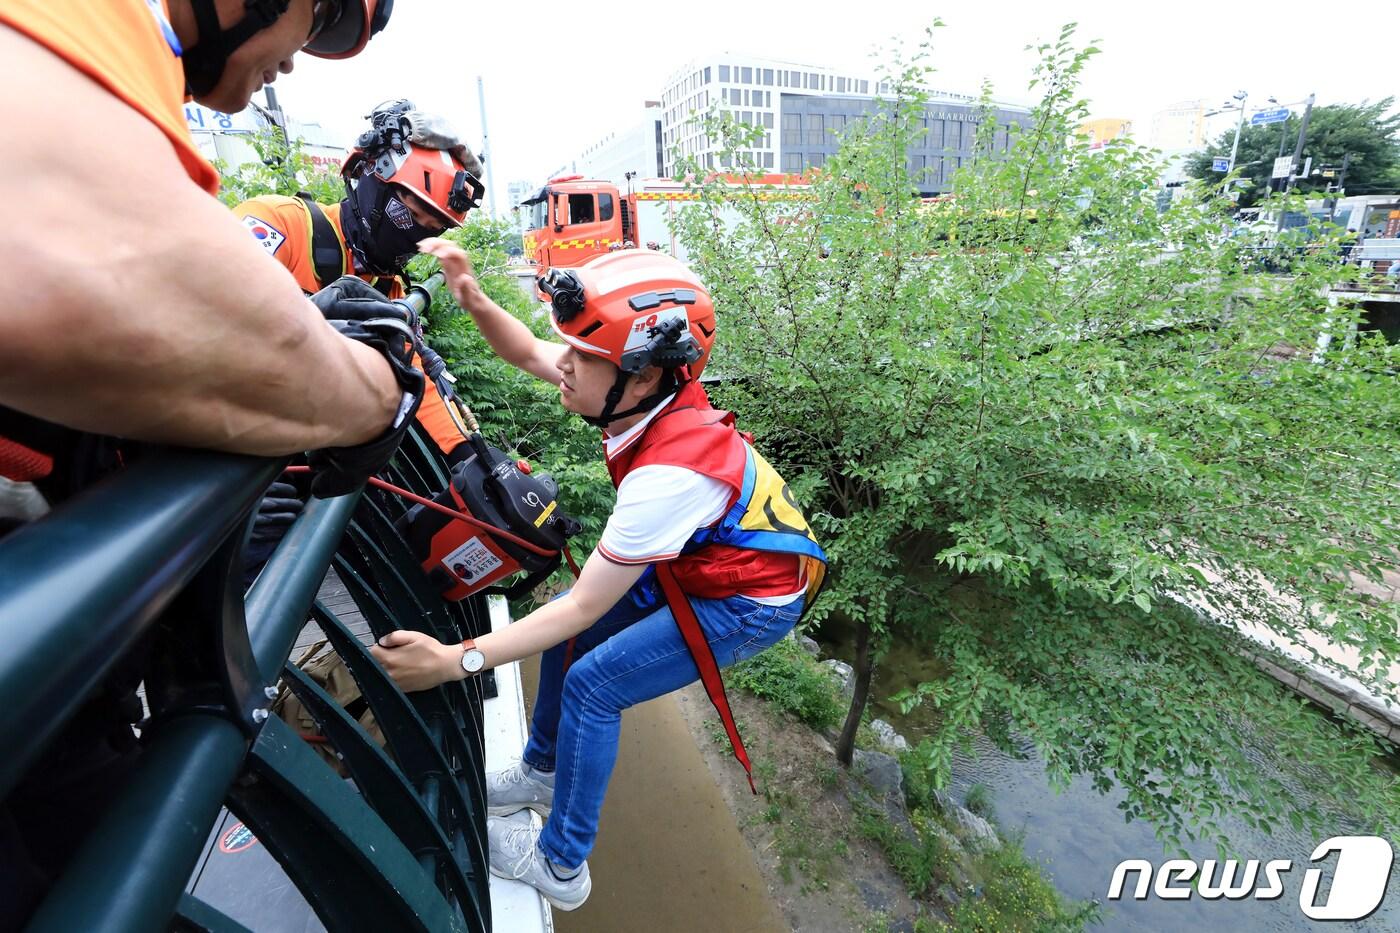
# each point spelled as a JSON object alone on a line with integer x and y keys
{"x": 152, "y": 555}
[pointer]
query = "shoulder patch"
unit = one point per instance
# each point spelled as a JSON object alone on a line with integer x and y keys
{"x": 265, "y": 233}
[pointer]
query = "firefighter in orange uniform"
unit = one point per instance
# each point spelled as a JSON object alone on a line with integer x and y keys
{"x": 147, "y": 316}
{"x": 408, "y": 178}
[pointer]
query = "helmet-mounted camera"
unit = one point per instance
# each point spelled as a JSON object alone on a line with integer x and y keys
{"x": 565, "y": 292}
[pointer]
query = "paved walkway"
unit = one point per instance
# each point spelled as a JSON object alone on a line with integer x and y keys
{"x": 669, "y": 856}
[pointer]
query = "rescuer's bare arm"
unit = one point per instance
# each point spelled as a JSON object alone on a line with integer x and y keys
{"x": 509, "y": 337}
{"x": 144, "y": 309}
{"x": 417, "y": 661}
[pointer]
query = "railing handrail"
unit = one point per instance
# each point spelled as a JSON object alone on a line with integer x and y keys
{"x": 155, "y": 551}
{"x": 73, "y": 600}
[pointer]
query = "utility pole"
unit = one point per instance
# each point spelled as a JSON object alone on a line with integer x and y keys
{"x": 280, "y": 118}
{"x": 1242, "y": 96}
{"x": 485, "y": 147}
{"x": 1302, "y": 139}
{"x": 1297, "y": 155}
{"x": 1339, "y": 190}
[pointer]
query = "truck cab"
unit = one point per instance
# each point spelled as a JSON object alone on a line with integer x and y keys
{"x": 573, "y": 218}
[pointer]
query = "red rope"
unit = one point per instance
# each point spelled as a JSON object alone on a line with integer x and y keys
{"x": 460, "y": 516}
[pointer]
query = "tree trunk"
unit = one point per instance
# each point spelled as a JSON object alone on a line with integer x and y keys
{"x": 846, "y": 743}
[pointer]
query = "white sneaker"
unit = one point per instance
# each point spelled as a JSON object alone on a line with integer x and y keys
{"x": 519, "y": 787}
{"x": 515, "y": 854}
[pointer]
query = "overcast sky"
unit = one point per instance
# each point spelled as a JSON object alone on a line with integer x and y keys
{"x": 560, "y": 76}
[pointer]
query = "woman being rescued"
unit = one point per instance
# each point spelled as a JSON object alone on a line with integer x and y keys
{"x": 705, "y": 559}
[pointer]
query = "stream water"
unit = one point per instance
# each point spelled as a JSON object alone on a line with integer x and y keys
{"x": 1080, "y": 836}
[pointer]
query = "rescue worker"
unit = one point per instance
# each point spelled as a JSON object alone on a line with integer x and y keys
{"x": 409, "y": 177}
{"x": 148, "y": 314}
{"x": 704, "y": 561}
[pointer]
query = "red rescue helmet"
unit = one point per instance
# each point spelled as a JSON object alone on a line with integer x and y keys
{"x": 342, "y": 28}
{"x": 634, "y": 308}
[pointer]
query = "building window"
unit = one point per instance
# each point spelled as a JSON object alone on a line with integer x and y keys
{"x": 605, "y": 206}
{"x": 864, "y": 87}
{"x": 812, "y": 83}
{"x": 816, "y": 130}
{"x": 794, "y": 79}
{"x": 724, "y": 72}
{"x": 840, "y": 85}
{"x": 768, "y": 76}
{"x": 768, "y": 160}
{"x": 707, "y": 74}
{"x": 747, "y": 117}
{"x": 836, "y": 122}
{"x": 768, "y": 119}
{"x": 792, "y": 129}
{"x": 746, "y": 75}
{"x": 935, "y": 134}
{"x": 792, "y": 162}
{"x": 816, "y": 159}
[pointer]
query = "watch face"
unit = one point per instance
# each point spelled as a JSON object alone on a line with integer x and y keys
{"x": 473, "y": 660}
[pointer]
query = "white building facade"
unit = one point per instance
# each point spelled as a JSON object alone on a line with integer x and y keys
{"x": 516, "y": 192}
{"x": 802, "y": 109}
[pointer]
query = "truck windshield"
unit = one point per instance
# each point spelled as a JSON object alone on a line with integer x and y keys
{"x": 539, "y": 212}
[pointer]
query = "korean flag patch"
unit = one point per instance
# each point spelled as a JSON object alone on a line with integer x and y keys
{"x": 265, "y": 233}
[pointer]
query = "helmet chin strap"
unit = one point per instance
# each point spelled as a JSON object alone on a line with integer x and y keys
{"x": 668, "y": 384}
{"x": 204, "y": 62}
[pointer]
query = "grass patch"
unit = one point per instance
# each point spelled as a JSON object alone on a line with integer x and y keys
{"x": 979, "y": 801}
{"x": 919, "y": 865}
{"x": 802, "y": 851}
{"x": 793, "y": 681}
{"x": 1018, "y": 898}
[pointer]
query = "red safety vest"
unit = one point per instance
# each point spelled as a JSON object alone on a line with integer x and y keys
{"x": 762, "y": 546}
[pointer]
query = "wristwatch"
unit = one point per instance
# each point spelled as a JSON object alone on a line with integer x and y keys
{"x": 472, "y": 658}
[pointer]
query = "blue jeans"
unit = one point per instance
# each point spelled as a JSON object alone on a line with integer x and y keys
{"x": 627, "y": 657}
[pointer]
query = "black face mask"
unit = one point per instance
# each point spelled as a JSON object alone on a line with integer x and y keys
{"x": 384, "y": 235}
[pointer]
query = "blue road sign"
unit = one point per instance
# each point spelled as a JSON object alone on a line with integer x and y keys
{"x": 1270, "y": 116}
{"x": 1219, "y": 164}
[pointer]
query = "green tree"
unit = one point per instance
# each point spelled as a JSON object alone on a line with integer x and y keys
{"x": 282, "y": 167}
{"x": 1369, "y": 133}
{"x": 1067, "y": 444}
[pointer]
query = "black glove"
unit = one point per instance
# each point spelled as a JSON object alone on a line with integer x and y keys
{"x": 353, "y": 307}
{"x": 280, "y": 506}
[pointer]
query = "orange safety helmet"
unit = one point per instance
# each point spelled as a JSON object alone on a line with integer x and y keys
{"x": 342, "y": 28}
{"x": 419, "y": 152}
{"x": 634, "y": 308}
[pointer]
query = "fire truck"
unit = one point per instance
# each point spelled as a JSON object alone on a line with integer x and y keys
{"x": 573, "y": 218}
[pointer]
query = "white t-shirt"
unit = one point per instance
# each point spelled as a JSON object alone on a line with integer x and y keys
{"x": 660, "y": 506}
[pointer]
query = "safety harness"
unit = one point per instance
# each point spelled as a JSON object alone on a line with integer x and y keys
{"x": 327, "y": 252}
